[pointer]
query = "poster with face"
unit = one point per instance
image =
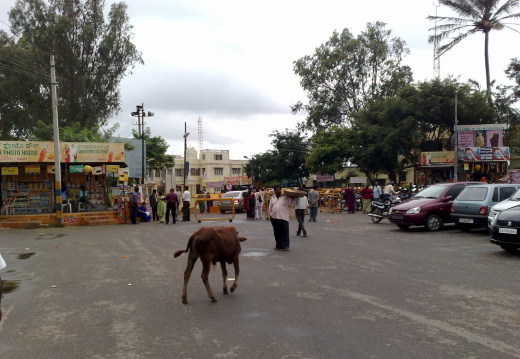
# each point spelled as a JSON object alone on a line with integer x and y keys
{"x": 494, "y": 138}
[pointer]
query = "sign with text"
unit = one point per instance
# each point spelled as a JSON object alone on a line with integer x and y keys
{"x": 478, "y": 154}
{"x": 358, "y": 180}
{"x": 41, "y": 151}
{"x": 9, "y": 171}
{"x": 438, "y": 157}
{"x": 32, "y": 169}
{"x": 487, "y": 127}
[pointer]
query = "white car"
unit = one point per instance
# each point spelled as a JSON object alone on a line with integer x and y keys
{"x": 512, "y": 201}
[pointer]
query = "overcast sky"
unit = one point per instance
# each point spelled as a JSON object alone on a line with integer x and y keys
{"x": 231, "y": 62}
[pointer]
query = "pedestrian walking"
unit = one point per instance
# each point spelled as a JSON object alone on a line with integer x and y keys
{"x": 259, "y": 203}
{"x": 252, "y": 205}
{"x": 172, "y": 205}
{"x": 350, "y": 198}
{"x": 314, "y": 198}
{"x": 279, "y": 213}
{"x": 186, "y": 198}
{"x": 134, "y": 196}
{"x": 367, "y": 193}
{"x": 161, "y": 207}
{"x": 300, "y": 206}
{"x": 153, "y": 204}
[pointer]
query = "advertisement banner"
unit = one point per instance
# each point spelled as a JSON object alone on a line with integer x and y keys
{"x": 41, "y": 151}
{"x": 479, "y": 154}
{"x": 438, "y": 157}
{"x": 112, "y": 168}
{"x": 238, "y": 180}
{"x": 50, "y": 169}
{"x": 358, "y": 180}
{"x": 324, "y": 178}
{"x": 98, "y": 170}
{"x": 213, "y": 183}
{"x": 76, "y": 169}
{"x": 488, "y": 127}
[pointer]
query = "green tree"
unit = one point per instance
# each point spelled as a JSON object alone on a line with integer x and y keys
{"x": 347, "y": 72}
{"x": 285, "y": 162}
{"x": 156, "y": 147}
{"x": 474, "y": 16}
{"x": 92, "y": 57}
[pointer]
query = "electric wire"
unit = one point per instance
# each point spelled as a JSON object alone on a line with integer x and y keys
{"x": 226, "y": 138}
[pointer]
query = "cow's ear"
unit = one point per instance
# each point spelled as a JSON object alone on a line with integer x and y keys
{"x": 241, "y": 239}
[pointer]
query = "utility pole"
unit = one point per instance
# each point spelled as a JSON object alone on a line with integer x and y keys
{"x": 455, "y": 168}
{"x": 436, "y": 58}
{"x": 57, "y": 164}
{"x": 186, "y": 164}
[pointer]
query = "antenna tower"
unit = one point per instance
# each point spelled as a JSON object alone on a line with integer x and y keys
{"x": 436, "y": 58}
{"x": 200, "y": 132}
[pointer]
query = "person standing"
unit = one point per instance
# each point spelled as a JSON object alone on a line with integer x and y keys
{"x": 161, "y": 207}
{"x": 300, "y": 207}
{"x": 314, "y": 198}
{"x": 172, "y": 205}
{"x": 366, "y": 194}
{"x": 350, "y": 198}
{"x": 153, "y": 204}
{"x": 279, "y": 213}
{"x": 186, "y": 198}
{"x": 252, "y": 205}
{"x": 377, "y": 192}
{"x": 259, "y": 204}
{"x": 135, "y": 199}
{"x": 179, "y": 196}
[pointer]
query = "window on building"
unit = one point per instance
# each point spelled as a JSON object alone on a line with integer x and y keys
{"x": 235, "y": 171}
{"x": 179, "y": 172}
{"x": 218, "y": 171}
{"x": 203, "y": 157}
{"x": 195, "y": 171}
{"x": 218, "y": 157}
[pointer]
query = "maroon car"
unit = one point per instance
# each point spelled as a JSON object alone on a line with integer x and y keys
{"x": 431, "y": 207}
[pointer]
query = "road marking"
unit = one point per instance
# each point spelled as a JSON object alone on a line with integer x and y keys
{"x": 460, "y": 332}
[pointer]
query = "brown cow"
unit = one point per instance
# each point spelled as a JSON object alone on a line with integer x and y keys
{"x": 212, "y": 245}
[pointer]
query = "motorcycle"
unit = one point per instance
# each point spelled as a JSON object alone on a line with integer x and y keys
{"x": 380, "y": 210}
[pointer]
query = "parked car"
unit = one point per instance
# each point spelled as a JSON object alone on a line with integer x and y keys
{"x": 506, "y": 231}
{"x": 471, "y": 208}
{"x": 430, "y": 207}
{"x": 512, "y": 201}
{"x": 227, "y": 204}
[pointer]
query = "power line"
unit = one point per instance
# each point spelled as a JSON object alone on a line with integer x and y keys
{"x": 230, "y": 139}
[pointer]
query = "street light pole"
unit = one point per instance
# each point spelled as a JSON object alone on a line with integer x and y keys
{"x": 455, "y": 169}
{"x": 140, "y": 125}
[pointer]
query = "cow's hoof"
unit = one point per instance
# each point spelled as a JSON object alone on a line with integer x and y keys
{"x": 184, "y": 301}
{"x": 225, "y": 291}
{"x": 214, "y": 300}
{"x": 233, "y": 289}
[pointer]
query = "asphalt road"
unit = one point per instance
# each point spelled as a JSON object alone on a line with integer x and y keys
{"x": 352, "y": 289}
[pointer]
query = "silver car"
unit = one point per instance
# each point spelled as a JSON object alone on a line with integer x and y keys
{"x": 226, "y": 201}
{"x": 512, "y": 201}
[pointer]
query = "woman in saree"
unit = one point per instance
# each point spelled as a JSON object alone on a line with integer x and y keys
{"x": 161, "y": 207}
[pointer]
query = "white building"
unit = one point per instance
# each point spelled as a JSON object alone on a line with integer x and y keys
{"x": 208, "y": 170}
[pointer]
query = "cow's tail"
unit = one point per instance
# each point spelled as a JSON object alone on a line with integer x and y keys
{"x": 179, "y": 252}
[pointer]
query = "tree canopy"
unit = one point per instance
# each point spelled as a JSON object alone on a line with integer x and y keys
{"x": 92, "y": 57}
{"x": 474, "y": 16}
{"x": 347, "y": 72}
{"x": 156, "y": 157}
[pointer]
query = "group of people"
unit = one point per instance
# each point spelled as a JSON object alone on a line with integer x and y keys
{"x": 253, "y": 203}
{"x": 368, "y": 195}
{"x": 162, "y": 206}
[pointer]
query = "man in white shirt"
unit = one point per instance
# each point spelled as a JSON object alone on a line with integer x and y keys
{"x": 279, "y": 214}
{"x": 301, "y": 205}
{"x": 186, "y": 198}
{"x": 388, "y": 191}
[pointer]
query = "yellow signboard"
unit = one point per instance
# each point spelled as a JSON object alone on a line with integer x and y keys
{"x": 112, "y": 168}
{"x": 32, "y": 169}
{"x": 9, "y": 171}
{"x": 40, "y": 151}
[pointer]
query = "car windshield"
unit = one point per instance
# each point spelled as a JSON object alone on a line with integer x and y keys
{"x": 515, "y": 196}
{"x": 231, "y": 194}
{"x": 473, "y": 194}
{"x": 431, "y": 192}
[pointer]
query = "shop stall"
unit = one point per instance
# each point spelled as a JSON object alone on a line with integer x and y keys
{"x": 27, "y": 173}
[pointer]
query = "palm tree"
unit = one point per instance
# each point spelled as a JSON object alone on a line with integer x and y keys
{"x": 475, "y": 16}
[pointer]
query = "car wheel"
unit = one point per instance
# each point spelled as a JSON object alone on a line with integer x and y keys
{"x": 222, "y": 212}
{"x": 403, "y": 226}
{"x": 434, "y": 223}
{"x": 379, "y": 213}
{"x": 464, "y": 227}
{"x": 509, "y": 248}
